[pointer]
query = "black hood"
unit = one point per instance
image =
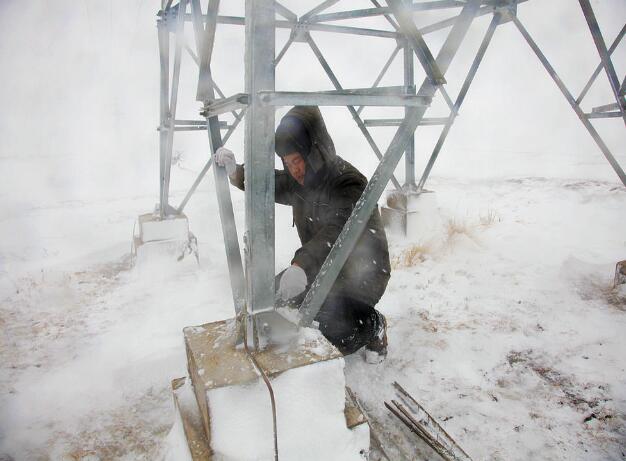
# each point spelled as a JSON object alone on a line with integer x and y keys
{"x": 322, "y": 150}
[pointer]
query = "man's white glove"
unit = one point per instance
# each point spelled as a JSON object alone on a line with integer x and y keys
{"x": 225, "y": 157}
{"x": 292, "y": 282}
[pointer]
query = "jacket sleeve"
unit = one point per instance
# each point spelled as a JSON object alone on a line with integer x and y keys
{"x": 282, "y": 189}
{"x": 344, "y": 194}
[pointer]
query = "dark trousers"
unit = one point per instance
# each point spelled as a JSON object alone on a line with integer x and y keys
{"x": 347, "y": 323}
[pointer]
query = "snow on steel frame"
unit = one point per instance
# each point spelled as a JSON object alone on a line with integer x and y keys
{"x": 253, "y": 294}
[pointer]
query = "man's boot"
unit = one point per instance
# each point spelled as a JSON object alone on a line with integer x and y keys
{"x": 376, "y": 350}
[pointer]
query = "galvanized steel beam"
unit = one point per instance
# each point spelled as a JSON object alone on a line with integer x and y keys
{"x": 351, "y": 109}
{"x": 460, "y": 98}
{"x": 607, "y": 63}
{"x": 303, "y": 98}
{"x": 570, "y": 99}
{"x": 259, "y": 156}
{"x": 367, "y": 202}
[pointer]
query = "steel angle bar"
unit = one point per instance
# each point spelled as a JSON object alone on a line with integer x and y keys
{"x": 447, "y": 98}
{"x": 195, "y": 185}
{"x": 259, "y": 157}
{"x": 380, "y": 11}
{"x": 460, "y": 98}
{"x": 227, "y": 220}
{"x": 606, "y": 108}
{"x": 294, "y": 98}
{"x": 206, "y": 167}
{"x": 367, "y": 202}
{"x": 386, "y": 16}
{"x": 604, "y": 55}
{"x": 285, "y": 12}
{"x": 222, "y": 186}
{"x": 434, "y": 121}
{"x": 414, "y": 38}
{"x": 355, "y": 116}
{"x": 284, "y": 24}
{"x": 379, "y": 90}
{"x": 598, "y": 69}
{"x": 409, "y": 83}
{"x": 489, "y": 9}
{"x": 221, "y": 106}
{"x": 164, "y": 110}
{"x": 282, "y": 52}
{"x": 604, "y": 115}
{"x": 321, "y": 7}
{"x": 233, "y": 127}
{"x": 206, "y": 51}
{"x": 179, "y": 38}
{"x": 568, "y": 96}
{"x": 383, "y": 72}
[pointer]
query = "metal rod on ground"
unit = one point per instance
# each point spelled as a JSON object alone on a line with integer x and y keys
{"x": 461, "y": 97}
{"x": 408, "y": 398}
{"x": 367, "y": 202}
{"x": 581, "y": 115}
{"x": 351, "y": 109}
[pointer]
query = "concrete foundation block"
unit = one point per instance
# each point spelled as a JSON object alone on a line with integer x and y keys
{"x": 233, "y": 404}
{"x": 155, "y": 237}
{"x": 620, "y": 273}
{"x": 412, "y": 214}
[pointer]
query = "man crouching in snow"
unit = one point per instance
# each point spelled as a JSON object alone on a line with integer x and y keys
{"x": 323, "y": 188}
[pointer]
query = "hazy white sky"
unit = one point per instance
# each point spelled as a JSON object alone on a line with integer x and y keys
{"x": 80, "y": 92}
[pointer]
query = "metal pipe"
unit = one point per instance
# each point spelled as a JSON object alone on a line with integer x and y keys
{"x": 367, "y": 202}
{"x": 461, "y": 97}
{"x": 581, "y": 115}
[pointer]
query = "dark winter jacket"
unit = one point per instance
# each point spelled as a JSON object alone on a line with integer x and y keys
{"x": 321, "y": 209}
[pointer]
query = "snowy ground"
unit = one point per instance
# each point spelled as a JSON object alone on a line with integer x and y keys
{"x": 505, "y": 326}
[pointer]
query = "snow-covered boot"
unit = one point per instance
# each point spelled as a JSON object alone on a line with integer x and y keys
{"x": 376, "y": 350}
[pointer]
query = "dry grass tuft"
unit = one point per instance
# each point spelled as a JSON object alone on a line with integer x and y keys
{"x": 410, "y": 257}
{"x": 489, "y": 218}
{"x": 455, "y": 227}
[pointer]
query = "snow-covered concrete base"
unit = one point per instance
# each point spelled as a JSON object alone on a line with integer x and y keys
{"x": 307, "y": 379}
{"x": 411, "y": 213}
{"x": 159, "y": 240}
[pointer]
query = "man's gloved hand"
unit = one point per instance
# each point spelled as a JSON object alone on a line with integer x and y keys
{"x": 292, "y": 282}
{"x": 225, "y": 157}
